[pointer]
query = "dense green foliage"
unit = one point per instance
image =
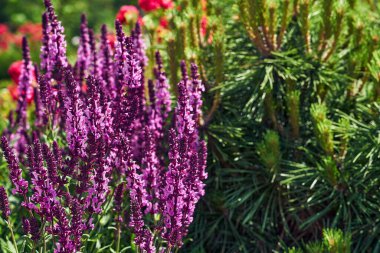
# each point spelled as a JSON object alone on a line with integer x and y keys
{"x": 295, "y": 141}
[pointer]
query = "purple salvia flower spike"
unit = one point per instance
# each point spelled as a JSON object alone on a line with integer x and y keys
{"x": 26, "y": 225}
{"x": 163, "y": 103}
{"x": 34, "y": 229}
{"x": 15, "y": 175}
{"x": 118, "y": 200}
{"x": 4, "y": 204}
{"x": 44, "y": 55}
{"x": 94, "y": 65}
{"x": 83, "y": 55}
{"x": 25, "y": 85}
{"x": 77, "y": 225}
{"x": 106, "y": 64}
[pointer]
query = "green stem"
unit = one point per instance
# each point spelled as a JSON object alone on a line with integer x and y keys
{"x": 118, "y": 238}
{"x": 12, "y": 235}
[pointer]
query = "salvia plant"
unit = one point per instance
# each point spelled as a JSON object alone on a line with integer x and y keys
{"x": 103, "y": 162}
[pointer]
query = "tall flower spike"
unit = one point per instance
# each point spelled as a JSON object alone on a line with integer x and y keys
{"x": 62, "y": 229}
{"x": 44, "y": 194}
{"x": 151, "y": 165}
{"x": 118, "y": 200}
{"x": 4, "y": 204}
{"x": 44, "y": 55}
{"x": 163, "y": 102}
{"x": 183, "y": 115}
{"x": 140, "y": 48}
{"x": 119, "y": 57}
{"x": 51, "y": 164}
{"x": 138, "y": 197}
{"x": 57, "y": 43}
{"x": 25, "y": 85}
{"x": 196, "y": 93}
{"x": 106, "y": 63}
{"x": 26, "y": 225}
{"x": 77, "y": 225}
{"x": 15, "y": 175}
{"x": 83, "y": 55}
{"x": 76, "y": 129}
{"x": 172, "y": 199}
{"x": 34, "y": 229}
{"x": 39, "y": 110}
{"x": 46, "y": 95}
{"x": 94, "y": 70}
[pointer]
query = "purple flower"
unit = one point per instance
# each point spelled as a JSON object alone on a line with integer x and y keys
{"x": 76, "y": 126}
{"x": 150, "y": 168}
{"x": 4, "y": 204}
{"x": 62, "y": 230}
{"x": 44, "y": 55}
{"x": 25, "y": 86}
{"x": 15, "y": 175}
{"x": 94, "y": 65}
{"x": 44, "y": 193}
{"x": 139, "y": 201}
{"x": 51, "y": 165}
{"x": 83, "y": 55}
{"x": 163, "y": 102}
{"x": 34, "y": 229}
{"x": 26, "y": 225}
{"x": 106, "y": 64}
{"x": 109, "y": 133}
{"x": 77, "y": 226}
{"x": 118, "y": 200}
{"x": 56, "y": 44}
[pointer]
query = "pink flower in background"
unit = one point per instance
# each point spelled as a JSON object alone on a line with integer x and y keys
{"x": 3, "y": 29}
{"x": 152, "y": 5}
{"x": 204, "y": 23}
{"x": 167, "y": 4}
{"x": 149, "y": 5}
{"x": 164, "y": 22}
{"x": 127, "y": 13}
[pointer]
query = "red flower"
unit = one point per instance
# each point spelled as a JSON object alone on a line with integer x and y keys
{"x": 164, "y": 22}
{"x": 3, "y": 29}
{"x": 151, "y": 5}
{"x": 204, "y": 26}
{"x": 166, "y": 4}
{"x": 127, "y": 13}
{"x": 15, "y": 71}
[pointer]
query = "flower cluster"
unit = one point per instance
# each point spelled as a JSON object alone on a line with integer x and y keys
{"x": 111, "y": 124}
